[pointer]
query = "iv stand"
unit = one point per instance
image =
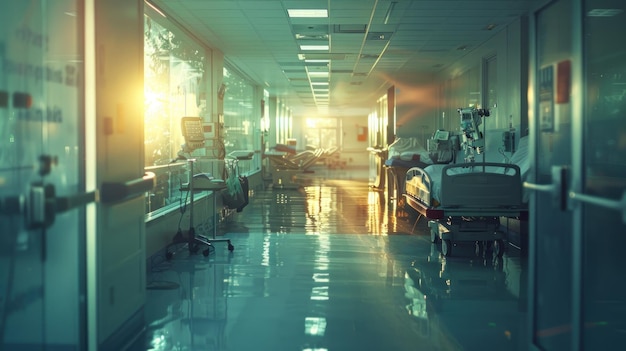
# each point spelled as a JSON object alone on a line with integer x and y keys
{"x": 192, "y": 240}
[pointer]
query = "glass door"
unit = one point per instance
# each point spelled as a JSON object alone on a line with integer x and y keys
{"x": 551, "y": 239}
{"x": 42, "y": 251}
{"x": 604, "y": 176}
{"x": 579, "y": 214}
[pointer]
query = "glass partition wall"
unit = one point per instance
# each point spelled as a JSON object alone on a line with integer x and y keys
{"x": 174, "y": 67}
{"x": 242, "y": 122}
{"x": 177, "y": 70}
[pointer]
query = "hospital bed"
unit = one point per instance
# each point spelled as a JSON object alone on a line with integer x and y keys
{"x": 285, "y": 168}
{"x": 464, "y": 201}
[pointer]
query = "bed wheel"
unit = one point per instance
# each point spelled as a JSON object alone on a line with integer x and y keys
{"x": 498, "y": 247}
{"x": 446, "y": 247}
{"x": 433, "y": 236}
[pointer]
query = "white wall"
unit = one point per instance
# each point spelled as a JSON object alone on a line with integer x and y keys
{"x": 354, "y": 151}
{"x": 508, "y": 45}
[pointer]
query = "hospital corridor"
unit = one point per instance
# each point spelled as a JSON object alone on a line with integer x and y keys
{"x": 312, "y": 175}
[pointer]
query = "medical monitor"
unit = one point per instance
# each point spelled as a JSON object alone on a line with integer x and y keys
{"x": 193, "y": 132}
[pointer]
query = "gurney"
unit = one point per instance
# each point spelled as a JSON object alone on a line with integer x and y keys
{"x": 463, "y": 202}
{"x": 285, "y": 168}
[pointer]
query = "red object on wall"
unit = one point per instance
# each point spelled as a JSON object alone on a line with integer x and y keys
{"x": 361, "y": 133}
{"x": 563, "y": 81}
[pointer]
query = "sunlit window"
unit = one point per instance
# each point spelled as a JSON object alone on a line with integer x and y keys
{"x": 174, "y": 87}
{"x": 242, "y": 120}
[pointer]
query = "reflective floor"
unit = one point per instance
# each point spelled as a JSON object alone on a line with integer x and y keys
{"x": 333, "y": 266}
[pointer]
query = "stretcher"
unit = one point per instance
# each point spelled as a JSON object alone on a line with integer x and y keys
{"x": 286, "y": 168}
{"x": 463, "y": 202}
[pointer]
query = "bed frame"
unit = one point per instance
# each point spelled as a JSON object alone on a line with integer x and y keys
{"x": 473, "y": 198}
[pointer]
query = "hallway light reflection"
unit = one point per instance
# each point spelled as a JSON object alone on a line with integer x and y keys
{"x": 266, "y": 252}
{"x": 321, "y": 277}
{"x": 315, "y": 326}
{"x": 320, "y": 202}
{"x": 377, "y": 221}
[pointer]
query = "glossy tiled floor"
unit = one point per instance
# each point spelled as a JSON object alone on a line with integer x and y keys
{"x": 332, "y": 266}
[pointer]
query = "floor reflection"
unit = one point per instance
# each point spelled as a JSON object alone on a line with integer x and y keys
{"x": 333, "y": 266}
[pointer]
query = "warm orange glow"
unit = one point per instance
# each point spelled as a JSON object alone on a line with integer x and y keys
{"x": 420, "y": 99}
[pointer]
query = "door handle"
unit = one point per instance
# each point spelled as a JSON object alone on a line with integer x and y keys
{"x": 43, "y": 204}
{"x": 619, "y": 205}
{"x": 11, "y": 205}
{"x": 558, "y": 186}
{"x": 65, "y": 203}
{"x": 113, "y": 192}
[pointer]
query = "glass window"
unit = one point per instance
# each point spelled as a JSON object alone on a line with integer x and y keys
{"x": 174, "y": 87}
{"x": 321, "y": 132}
{"x": 242, "y": 127}
{"x": 283, "y": 123}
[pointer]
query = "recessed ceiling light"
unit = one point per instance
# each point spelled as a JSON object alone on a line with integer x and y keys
{"x": 309, "y": 13}
{"x": 311, "y": 36}
{"x": 604, "y": 12}
{"x": 319, "y": 83}
{"x": 314, "y": 47}
{"x": 318, "y": 74}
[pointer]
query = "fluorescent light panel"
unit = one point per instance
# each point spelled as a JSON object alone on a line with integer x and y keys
{"x": 318, "y": 74}
{"x": 314, "y": 47}
{"x": 308, "y": 13}
{"x": 155, "y": 8}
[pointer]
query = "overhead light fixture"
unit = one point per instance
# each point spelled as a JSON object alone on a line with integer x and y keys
{"x": 317, "y": 61}
{"x": 319, "y": 83}
{"x": 307, "y": 13}
{"x": 311, "y": 36}
{"x": 314, "y": 47}
{"x": 155, "y": 8}
{"x": 392, "y": 5}
{"x": 318, "y": 74}
{"x": 604, "y": 12}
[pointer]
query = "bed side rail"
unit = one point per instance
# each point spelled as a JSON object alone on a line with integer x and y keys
{"x": 482, "y": 185}
{"x": 418, "y": 185}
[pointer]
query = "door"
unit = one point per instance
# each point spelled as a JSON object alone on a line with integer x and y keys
{"x": 42, "y": 185}
{"x": 550, "y": 254}
{"x": 579, "y": 137}
{"x": 603, "y": 181}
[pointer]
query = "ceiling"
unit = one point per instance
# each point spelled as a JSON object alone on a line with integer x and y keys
{"x": 372, "y": 43}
